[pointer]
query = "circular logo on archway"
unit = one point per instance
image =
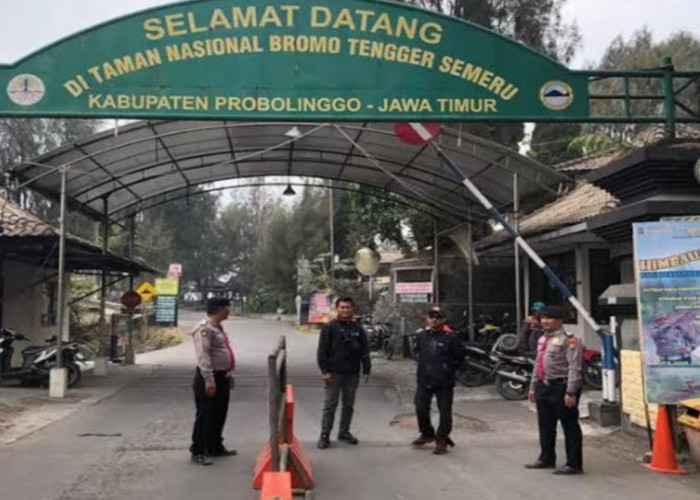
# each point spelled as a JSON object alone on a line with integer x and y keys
{"x": 26, "y": 90}
{"x": 557, "y": 95}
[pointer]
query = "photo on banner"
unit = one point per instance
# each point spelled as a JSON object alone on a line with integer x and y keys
{"x": 667, "y": 266}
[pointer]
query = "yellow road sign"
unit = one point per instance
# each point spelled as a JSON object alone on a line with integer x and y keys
{"x": 167, "y": 286}
{"x": 146, "y": 291}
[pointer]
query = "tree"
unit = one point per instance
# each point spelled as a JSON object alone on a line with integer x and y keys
{"x": 23, "y": 139}
{"x": 185, "y": 231}
{"x": 550, "y": 142}
{"x": 641, "y": 51}
{"x": 240, "y": 240}
{"x": 536, "y": 23}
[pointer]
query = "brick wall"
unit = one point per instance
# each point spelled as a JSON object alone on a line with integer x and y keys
{"x": 633, "y": 389}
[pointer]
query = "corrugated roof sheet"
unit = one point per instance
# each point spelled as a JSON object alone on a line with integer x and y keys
{"x": 582, "y": 203}
{"x": 17, "y": 222}
{"x": 654, "y": 134}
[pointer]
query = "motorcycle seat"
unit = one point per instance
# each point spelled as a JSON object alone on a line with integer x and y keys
{"x": 32, "y": 349}
{"x": 516, "y": 359}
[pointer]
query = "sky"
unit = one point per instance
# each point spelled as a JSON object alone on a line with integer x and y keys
{"x": 28, "y": 25}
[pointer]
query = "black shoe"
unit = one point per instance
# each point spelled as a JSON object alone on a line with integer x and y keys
{"x": 568, "y": 471}
{"x": 539, "y": 464}
{"x": 422, "y": 440}
{"x": 348, "y": 438}
{"x": 440, "y": 446}
{"x": 201, "y": 459}
{"x": 323, "y": 442}
{"x": 223, "y": 452}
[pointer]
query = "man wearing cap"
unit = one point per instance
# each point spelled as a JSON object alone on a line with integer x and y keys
{"x": 556, "y": 390}
{"x": 439, "y": 354}
{"x": 531, "y": 329}
{"x": 213, "y": 381}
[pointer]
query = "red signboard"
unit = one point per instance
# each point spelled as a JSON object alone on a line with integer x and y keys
{"x": 131, "y": 300}
{"x": 405, "y": 288}
{"x": 319, "y": 308}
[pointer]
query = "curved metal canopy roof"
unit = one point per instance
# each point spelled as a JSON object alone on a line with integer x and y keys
{"x": 148, "y": 162}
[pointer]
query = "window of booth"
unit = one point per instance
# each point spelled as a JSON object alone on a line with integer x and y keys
{"x": 564, "y": 266}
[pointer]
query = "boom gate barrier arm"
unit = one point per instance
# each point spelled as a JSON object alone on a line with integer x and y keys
{"x": 558, "y": 283}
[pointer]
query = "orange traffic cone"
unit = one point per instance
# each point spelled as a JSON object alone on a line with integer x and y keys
{"x": 663, "y": 457}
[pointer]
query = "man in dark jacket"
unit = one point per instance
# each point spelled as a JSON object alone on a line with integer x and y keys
{"x": 342, "y": 350}
{"x": 439, "y": 354}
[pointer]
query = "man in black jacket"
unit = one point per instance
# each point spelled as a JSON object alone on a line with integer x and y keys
{"x": 439, "y": 354}
{"x": 342, "y": 350}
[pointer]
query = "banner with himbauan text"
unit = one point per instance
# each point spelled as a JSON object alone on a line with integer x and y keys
{"x": 667, "y": 264}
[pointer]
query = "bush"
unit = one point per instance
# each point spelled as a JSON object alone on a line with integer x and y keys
{"x": 155, "y": 338}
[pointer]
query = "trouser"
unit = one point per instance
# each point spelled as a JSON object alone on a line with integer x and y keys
{"x": 207, "y": 435}
{"x": 345, "y": 384}
{"x": 550, "y": 410}
{"x": 444, "y": 396}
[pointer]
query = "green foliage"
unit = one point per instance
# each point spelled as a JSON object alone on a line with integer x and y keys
{"x": 366, "y": 219}
{"x": 23, "y": 139}
{"x": 589, "y": 144}
{"x": 641, "y": 51}
{"x": 550, "y": 142}
{"x": 155, "y": 338}
{"x": 535, "y": 23}
{"x": 187, "y": 231}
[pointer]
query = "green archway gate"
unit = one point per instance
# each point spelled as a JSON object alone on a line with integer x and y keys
{"x": 324, "y": 60}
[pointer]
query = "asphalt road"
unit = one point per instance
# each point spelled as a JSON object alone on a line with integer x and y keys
{"x": 134, "y": 444}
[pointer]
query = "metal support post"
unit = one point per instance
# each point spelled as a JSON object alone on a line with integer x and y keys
{"x": 526, "y": 288}
{"x": 516, "y": 250}
{"x": 130, "y": 354}
{"x": 104, "y": 233}
{"x": 104, "y": 347}
{"x": 331, "y": 217}
{"x": 57, "y": 376}
{"x": 669, "y": 98}
{"x": 609, "y": 373}
{"x": 436, "y": 265}
{"x": 470, "y": 282}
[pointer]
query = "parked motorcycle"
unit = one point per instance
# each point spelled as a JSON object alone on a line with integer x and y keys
{"x": 478, "y": 368}
{"x": 380, "y": 337}
{"x": 487, "y": 331}
{"x": 515, "y": 372}
{"x": 37, "y": 361}
{"x": 593, "y": 368}
{"x": 513, "y": 376}
{"x": 480, "y": 364}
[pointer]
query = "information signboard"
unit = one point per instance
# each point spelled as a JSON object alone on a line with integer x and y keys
{"x": 166, "y": 310}
{"x": 667, "y": 264}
